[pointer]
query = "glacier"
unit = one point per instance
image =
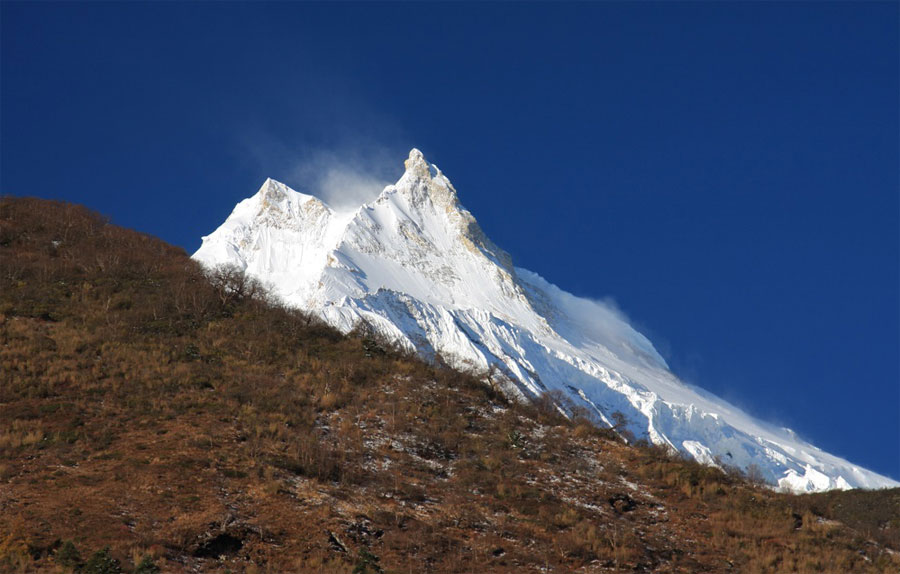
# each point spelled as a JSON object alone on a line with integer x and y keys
{"x": 415, "y": 267}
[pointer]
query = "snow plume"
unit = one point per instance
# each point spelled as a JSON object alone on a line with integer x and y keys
{"x": 600, "y": 321}
{"x": 344, "y": 172}
{"x": 343, "y": 179}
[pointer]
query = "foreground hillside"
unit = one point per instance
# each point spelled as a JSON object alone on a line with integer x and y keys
{"x": 187, "y": 424}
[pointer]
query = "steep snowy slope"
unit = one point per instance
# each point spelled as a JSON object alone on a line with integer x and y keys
{"x": 416, "y": 267}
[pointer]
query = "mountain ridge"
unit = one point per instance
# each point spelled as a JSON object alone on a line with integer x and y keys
{"x": 415, "y": 266}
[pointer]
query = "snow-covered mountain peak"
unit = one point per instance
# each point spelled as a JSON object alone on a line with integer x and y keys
{"x": 278, "y": 205}
{"x": 272, "y": 191}
{"x": 416, "y": 162}
{"x": 415, "y": 266}
{"x": 423, "y": 183}
{"x": 275, "y": 192}
{"x": 425, "y": 199}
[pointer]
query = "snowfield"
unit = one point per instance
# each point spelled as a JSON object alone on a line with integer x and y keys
{"x": 416, "y": 267}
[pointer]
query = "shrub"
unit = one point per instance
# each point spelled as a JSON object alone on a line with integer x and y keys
{"x": 68, "y": 555}
{"x": 366, "y": 563}
{"x": 146, "y": 566}
{"x": 102, "y": 562}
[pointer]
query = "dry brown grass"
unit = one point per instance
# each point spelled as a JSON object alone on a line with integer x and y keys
{"x": 144, "y": 409}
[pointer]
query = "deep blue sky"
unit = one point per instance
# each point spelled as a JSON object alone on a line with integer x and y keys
{"x": 728, "y": 173}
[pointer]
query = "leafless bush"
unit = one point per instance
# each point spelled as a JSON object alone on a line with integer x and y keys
{"x": 232, "y": 285}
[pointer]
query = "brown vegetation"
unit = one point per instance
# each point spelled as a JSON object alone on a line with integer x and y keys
{"x": 185, "y": 421}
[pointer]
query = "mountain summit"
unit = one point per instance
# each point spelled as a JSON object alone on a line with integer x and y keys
{"x": 414, "y": 266}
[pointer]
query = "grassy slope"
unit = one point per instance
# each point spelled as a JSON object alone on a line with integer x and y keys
{"x": 145, "y": 409}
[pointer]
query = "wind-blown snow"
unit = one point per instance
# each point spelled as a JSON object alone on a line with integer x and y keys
{"x": 416, "y": 267}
